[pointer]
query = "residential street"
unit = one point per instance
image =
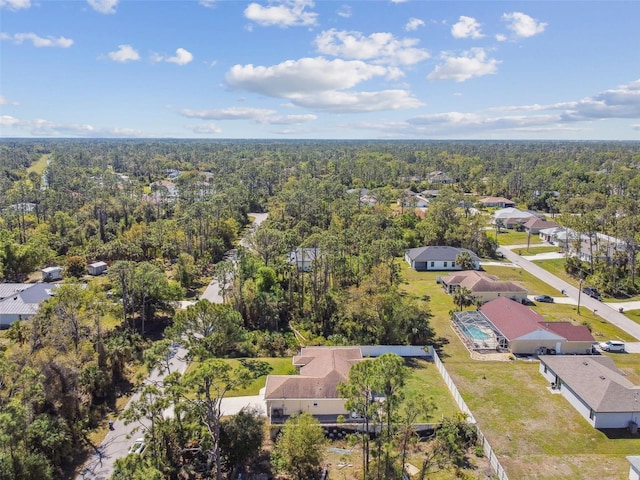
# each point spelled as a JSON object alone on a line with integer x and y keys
{"x": 608, "y": 312}
{"x": 100, "y": 464}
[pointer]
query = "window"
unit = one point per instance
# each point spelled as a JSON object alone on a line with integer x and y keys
{"x": 453, "y": 264}
{"x": 445, "y": 264}
{"x": 432, "y": 264}
{"x": 592, "y": 414}
{"x": 545, "y": 369}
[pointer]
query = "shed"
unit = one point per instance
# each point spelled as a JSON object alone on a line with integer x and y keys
{"x": 97, "y": 268}
{"x": 51, "y": 274}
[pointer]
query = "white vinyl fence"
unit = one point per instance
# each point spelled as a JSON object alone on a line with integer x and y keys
{"x": 488, "y": 451}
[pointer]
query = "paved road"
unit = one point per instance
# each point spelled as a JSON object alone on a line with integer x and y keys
{"x": 212, "y": 292}
{"x": 605, "y": 311}
{"x": 116, "y": 444}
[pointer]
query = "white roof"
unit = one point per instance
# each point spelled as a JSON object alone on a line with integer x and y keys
{"x": 98, "y": 264}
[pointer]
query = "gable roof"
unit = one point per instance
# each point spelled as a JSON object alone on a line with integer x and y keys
{"x": 23, "y": 298}
{"x": 482, "y": 282}
{"x": 321, "y": 370}
{"x": 573, "y": 333}
{"x": 596, "y": 380}
{"x": 438, "y": 253}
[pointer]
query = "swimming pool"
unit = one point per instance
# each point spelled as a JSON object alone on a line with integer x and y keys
{"x": 474, "y": 332}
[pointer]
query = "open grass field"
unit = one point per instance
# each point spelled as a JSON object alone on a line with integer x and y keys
{"x": 511, "y": 237}
{"x": 39, "y": 166}
{"x": 537, "y": 250}
{"x": 536, "y": 434}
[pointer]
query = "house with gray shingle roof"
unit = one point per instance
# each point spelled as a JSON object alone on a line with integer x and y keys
{"x": 437, "y": 258}
{"x": 595, "y": 387}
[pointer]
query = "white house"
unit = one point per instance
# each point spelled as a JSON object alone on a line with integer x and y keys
{"x": 437, "y": 258}
{"x": 595, "y": 387}
{"x": 303, "y": 258}
{"x": 97, "y": 268}
{"x": 20, "y": 301}
{"x": 51, "y": 274}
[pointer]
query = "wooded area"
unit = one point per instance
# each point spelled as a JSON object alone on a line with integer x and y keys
{"x": 163, "y": 215}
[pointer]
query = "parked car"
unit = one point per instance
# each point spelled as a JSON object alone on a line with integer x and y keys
{"x": 592, "y": 292}
{"x": 138, "y": 446}
{"x": 612, "y": 346}
{"x": 543, "y": 298}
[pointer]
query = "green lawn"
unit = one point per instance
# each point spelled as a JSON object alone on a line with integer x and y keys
{"x": 533, "y": 285}
{"x": 537, "y": 250}
{"x": 536, "y": 434}
{"x": 512, "y": 237}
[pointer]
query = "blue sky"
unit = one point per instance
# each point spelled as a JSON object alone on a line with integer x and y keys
{"x": 320, "y": 69}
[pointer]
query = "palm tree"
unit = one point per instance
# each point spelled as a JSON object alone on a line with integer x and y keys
{"x": 463, "y": 297}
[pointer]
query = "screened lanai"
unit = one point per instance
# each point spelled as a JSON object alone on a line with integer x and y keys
{"x": 477, "y": 332}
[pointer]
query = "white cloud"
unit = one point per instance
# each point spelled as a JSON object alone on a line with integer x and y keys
{"x": 207, "y": 3}
{"x": 303, "y": 76}
{"x": 357, "y": 102}
{"x": 104, "y": 6}
{"x": 286, "y": 13}
{"x": 413, "y": 24}
{"x": 398, "y": 1}
{"x": 501, "y": 38}
{"x": 208, "y": 128}
{"x": 231, "y": 113}
{"x": 5, "y": 101}
{"x": 182, "y": 57}
{"x": 15, "y": 4}
{"x": 319, "y": 83}
{"x": 38, "y": 41}
{"x": 635, "y": 126}
{"x": 125, "y": 53}
{"x": 523, "y": 25}
{"x": 466, "y": 27}
{"x": 289, "y": 119}
{"x": 344, "y": 11}
{"x": 473, "y": 63}
{"x": 8, "y": 121}
{"x": 621, "y": 102}
{"x": 46, "y": 128}
{"x": 379, "y": 47}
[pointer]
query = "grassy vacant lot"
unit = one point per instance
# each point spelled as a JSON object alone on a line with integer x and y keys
{"x": 536, "y": 434}
{"x": 39, "y": 166}
{"x": 537, "y": 250}
{"x": 511, "y": 237}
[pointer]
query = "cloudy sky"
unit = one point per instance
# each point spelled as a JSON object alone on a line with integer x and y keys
{"x": 387, "y": 69}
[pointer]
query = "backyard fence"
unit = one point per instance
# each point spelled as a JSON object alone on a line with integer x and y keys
{"x": 486, "y": 447}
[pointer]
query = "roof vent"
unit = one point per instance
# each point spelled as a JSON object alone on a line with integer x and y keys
{"x": 602, "y": 377}
{"x": 585, "y": 363}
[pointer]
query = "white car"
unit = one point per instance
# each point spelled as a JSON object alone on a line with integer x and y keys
{"x": 138, "y": 446}
{"x": 612, "y": 346}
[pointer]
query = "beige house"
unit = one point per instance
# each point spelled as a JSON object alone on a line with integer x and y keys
{"x": 314, "y": 390}
{"x": 483, "y": 286}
